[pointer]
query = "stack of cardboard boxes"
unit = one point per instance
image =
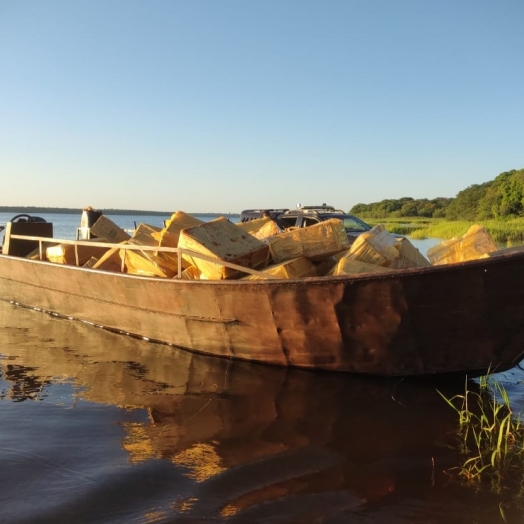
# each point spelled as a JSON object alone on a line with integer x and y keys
{"x": 220, "y": 249}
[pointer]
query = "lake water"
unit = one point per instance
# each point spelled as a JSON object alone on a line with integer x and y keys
{"x": 97, "y": 427}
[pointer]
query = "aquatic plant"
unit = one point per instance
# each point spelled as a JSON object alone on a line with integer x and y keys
{"x": 490, "y": 438}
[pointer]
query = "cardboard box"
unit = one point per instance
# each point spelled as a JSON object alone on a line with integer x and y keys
{"x": 297, "y": 268}
{"x": 65, "y": 253}
{"x": 170, "y": 234}
{"x": 470, "y": 246}
{"x": 221, "y": 239}
{"x": 269, "y": 229}
{"x": 110, "y": 261}
{"x": 376, "y": 246}
{"x": 409, "y": 255}
{"x": 141, "y": 263}
{"x": 143, "y": 235}
{"x": 106, "y": 228}
{"x": 149, "y": 263}
{"x": 251, "y": 226}
{"x": 260, "y": 228}
{"x": 350, "y": 266}
{"x": 314, "y": 242}
{"x": 180, "y": 220}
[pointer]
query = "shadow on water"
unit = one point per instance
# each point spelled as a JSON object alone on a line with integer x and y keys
{"x": 113, "y": 429}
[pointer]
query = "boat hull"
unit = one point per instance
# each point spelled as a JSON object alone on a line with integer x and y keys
{"x": 462, "y": 318}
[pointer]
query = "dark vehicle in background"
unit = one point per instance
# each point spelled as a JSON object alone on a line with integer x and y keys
{"x": 305, "y": 216}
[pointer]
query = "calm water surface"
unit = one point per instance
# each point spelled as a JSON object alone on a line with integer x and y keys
{"x": 97, "y": 427}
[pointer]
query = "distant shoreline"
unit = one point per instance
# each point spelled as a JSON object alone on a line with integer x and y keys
{"x": 71, "y": 211}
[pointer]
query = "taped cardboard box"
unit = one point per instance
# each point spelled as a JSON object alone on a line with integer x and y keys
{"x": 143, "y": 264}
{"x": 314, "y": 242}
{"x": 148, "y": 263}
{"x": 170, "y": 234}
{"x": 470, "y": 246}
{"x": 65, "y": 253}
{"x": 376, "y": 246}
{"x": 221, "y": 239}
{"x": 297, "y": 268}
{"x": 267, "y": 230}
{"x": 260, "y": 228}
{"x": 143, "y": 235}
{"x": 35, "y": 254}
{"x": 110, "y": 261}
{"x": 251, "y": 226}
{"x": 180, "y": 220}
{"x": 350, "y": 266}
{"x": 409, "y": 255}
{"x": 106, "y": 228}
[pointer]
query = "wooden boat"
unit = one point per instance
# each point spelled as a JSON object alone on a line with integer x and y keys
{"x": 460, "y": 318}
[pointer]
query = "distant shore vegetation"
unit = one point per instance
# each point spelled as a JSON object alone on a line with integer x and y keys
{"x": 499, "y": 199}
{"x": 498, "y": 205}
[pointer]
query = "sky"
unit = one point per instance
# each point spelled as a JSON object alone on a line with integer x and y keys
{"x": 224, "y": 105}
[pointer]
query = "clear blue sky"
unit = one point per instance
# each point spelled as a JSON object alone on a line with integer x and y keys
{"x": 221, "y": 105}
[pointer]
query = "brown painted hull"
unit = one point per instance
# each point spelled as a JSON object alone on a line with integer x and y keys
{"x": 459, "y": 318}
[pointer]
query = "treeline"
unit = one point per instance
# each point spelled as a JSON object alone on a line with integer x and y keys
{"x": 500, "y": 198}
{"x": 404, "y": 207}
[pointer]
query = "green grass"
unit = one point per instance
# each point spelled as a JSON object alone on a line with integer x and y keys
{"x": 507, "y": 232}
{"x": 490, "y": 438}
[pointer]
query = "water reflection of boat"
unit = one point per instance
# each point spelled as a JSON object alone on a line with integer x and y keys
{"x": 250, "y": 437}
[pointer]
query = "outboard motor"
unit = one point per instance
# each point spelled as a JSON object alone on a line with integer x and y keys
{"x": 26, "y": 225}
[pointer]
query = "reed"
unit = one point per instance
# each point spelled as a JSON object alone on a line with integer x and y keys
{"x": 505, "y": 232}
{"x": 490, "y": 438}
{"x": 442, "y": 229}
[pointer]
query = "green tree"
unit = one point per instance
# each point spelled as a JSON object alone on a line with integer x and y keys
{"x": 409, "y": 209}
{"x": 511, "y": 190}
{"x": 502, "y": 197}
{"x": 464, "y": 206}
{"x": 488, "y": 206}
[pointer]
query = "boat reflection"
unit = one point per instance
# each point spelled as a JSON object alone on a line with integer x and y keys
{"x": 251, "y": 437}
